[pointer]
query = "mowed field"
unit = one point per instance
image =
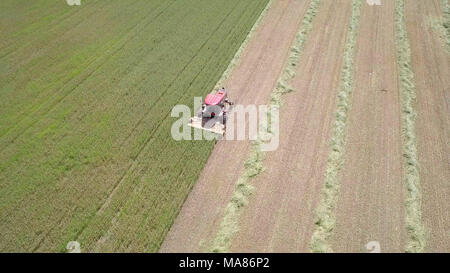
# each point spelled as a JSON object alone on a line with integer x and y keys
{"x": 86, "y": 152}
{"x": 85, "y": 98}
{"x": 363, "y": 162}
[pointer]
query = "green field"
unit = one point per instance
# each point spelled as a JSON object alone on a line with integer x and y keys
{"x": 85, "y": 98}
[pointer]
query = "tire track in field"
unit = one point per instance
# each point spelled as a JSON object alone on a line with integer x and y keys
{"x": 100, "y": 61}
{"x": 413, "y": 204}
{"x": 107, "y": 58}
{"x": 136, "y": 190}
{"x": 253, "y": 166}
{"x": 59, "y": 22}
{"x": 37, "y": 107}
{"x": 325, "y": 223}
{"x": 98, "y": 67}
{"x": 49, "y": 44}
{"x": 174, "y": 81}
{"x": 97, "y": 59}
{"x": 135, "y": 162}
{"x": 47, "y": 95}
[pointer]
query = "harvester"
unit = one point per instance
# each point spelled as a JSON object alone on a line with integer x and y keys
{"x": 212, "y": 116}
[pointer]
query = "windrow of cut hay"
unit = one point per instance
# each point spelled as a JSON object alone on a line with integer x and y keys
{"x": 446, "y": 22}
{"x": 413, "y": 204}
{"x": 325, "y": 222}
{"x": 254, "y": 164}
{"x": 441, "y": 24}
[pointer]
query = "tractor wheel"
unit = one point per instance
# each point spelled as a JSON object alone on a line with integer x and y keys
{"x": 204, "y": 120}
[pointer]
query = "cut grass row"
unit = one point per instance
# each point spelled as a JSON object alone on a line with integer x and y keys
{"x": 326, "y": 219}
{"x": 96, "y": 162}
{"x": 413, "y": 204}
{"x": 446, "y": 22}
{"x": 253, "y": 166}
{"x": 441, "y": 24}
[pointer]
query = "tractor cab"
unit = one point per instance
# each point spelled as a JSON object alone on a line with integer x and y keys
{"x": 214, "y": 104}
{"x": 216, "y": 99}
{"x": 213, "y": 114}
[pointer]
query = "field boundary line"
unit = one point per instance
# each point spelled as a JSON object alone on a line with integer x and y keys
{"x": 325, "y": 212}
{"x": 413, "y": 203}
{"x": 253, "y": 166}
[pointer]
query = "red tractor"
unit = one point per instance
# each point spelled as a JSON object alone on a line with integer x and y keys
{"x": 213, "y": 114}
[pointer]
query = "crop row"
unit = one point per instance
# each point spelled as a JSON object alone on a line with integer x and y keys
{"x": 413, "y": 203}
{"x": 325, "y": 222}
